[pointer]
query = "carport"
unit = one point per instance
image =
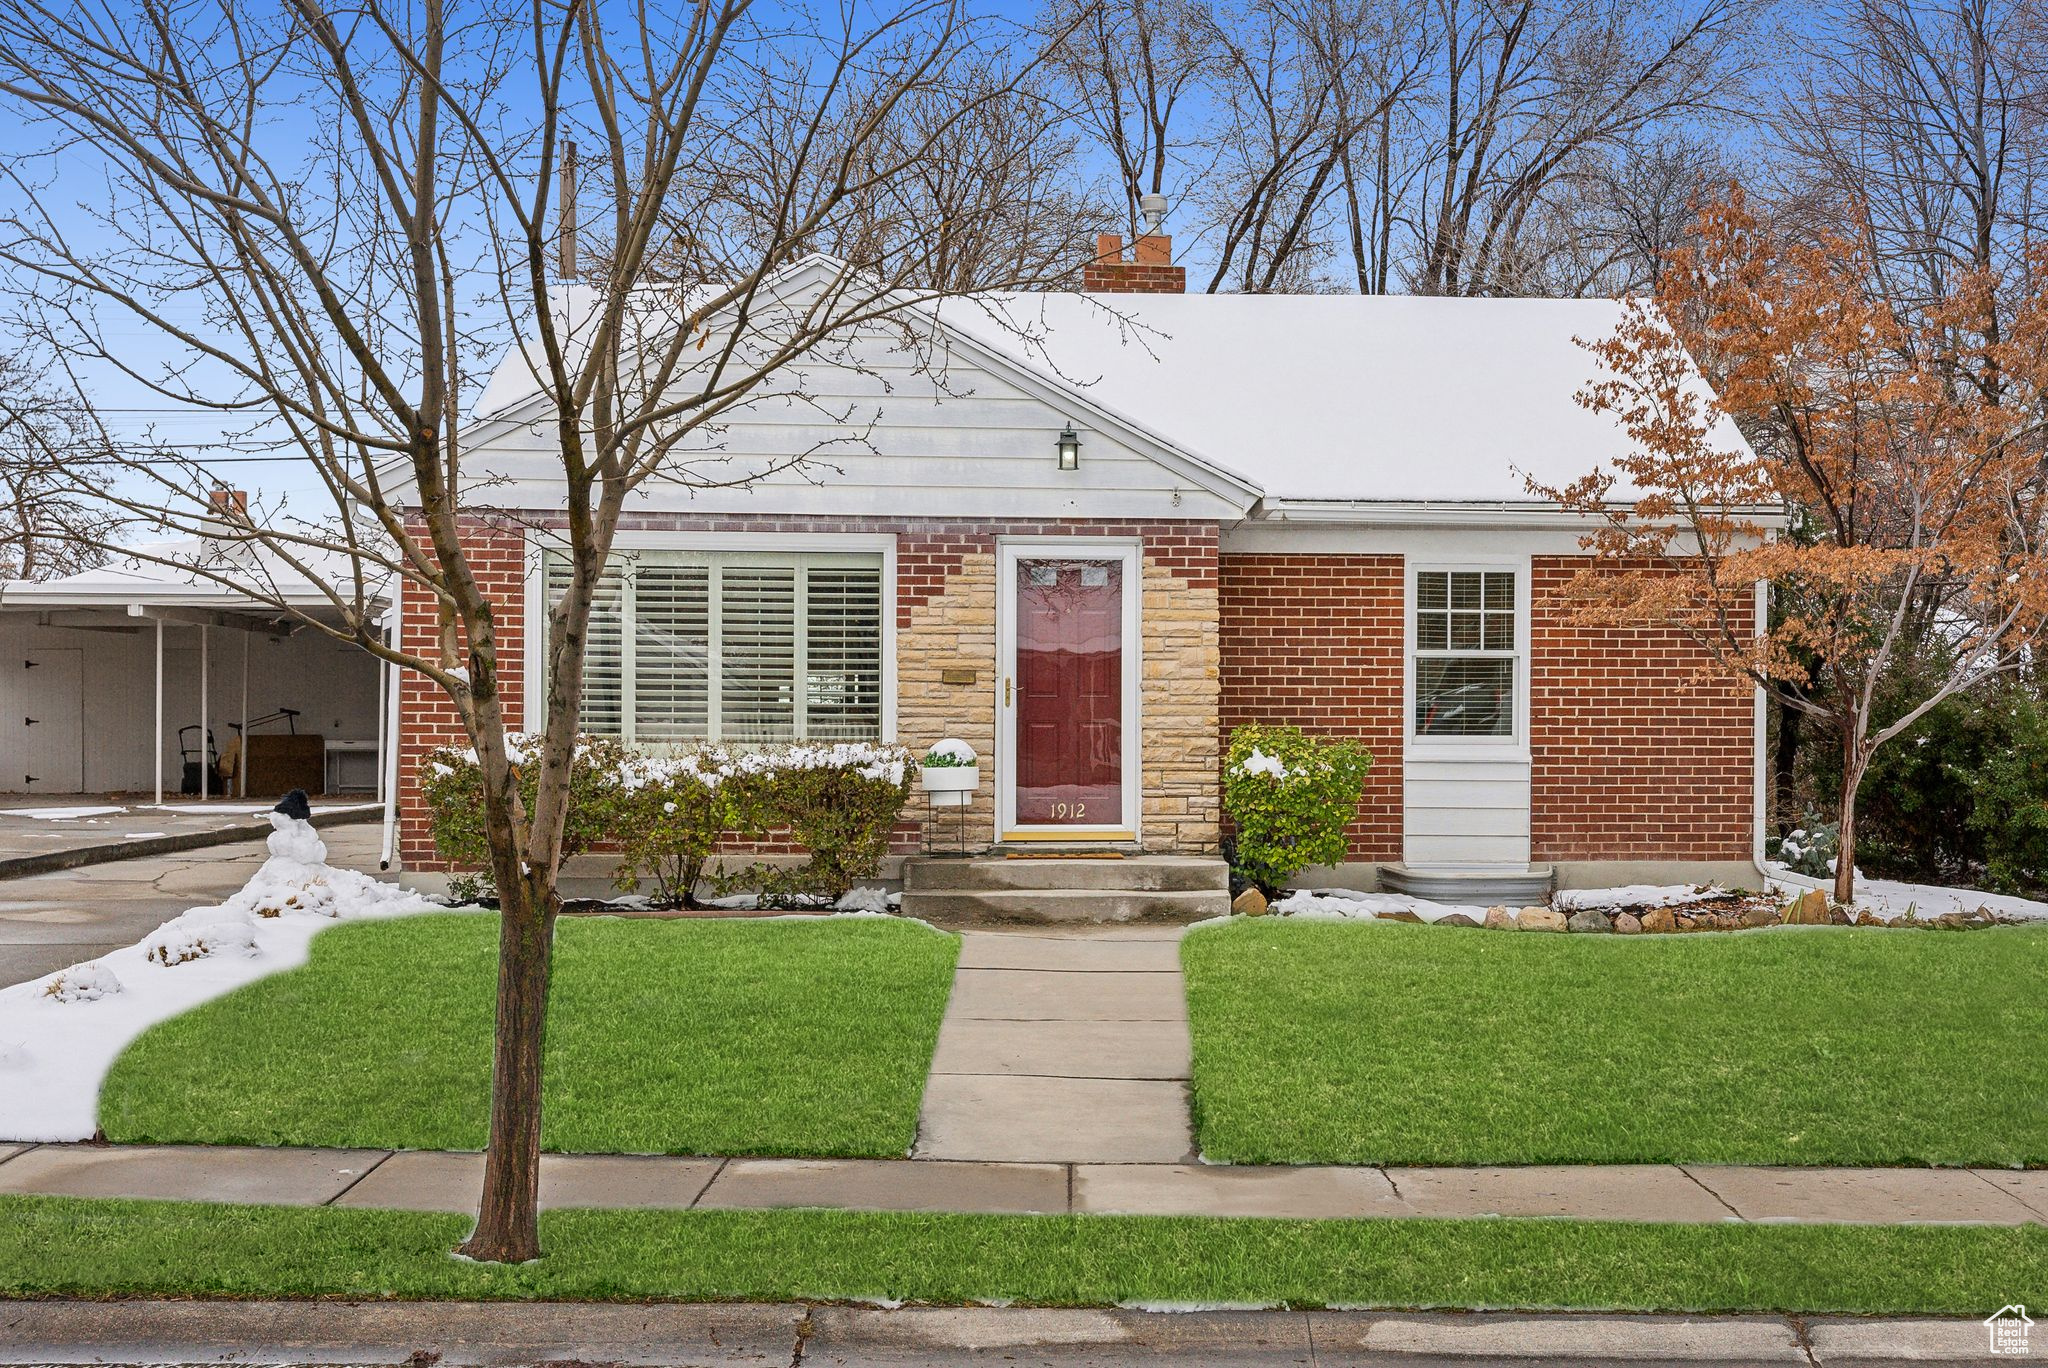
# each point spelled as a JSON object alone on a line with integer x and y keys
{"x": 106, "y": 668}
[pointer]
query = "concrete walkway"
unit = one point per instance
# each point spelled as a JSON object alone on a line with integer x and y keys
{"x": 1067, "y": 1047}
{"x": 460, "y": 1334}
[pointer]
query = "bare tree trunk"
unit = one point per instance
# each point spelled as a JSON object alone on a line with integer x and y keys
{"x": 507, "y": 1227}
{"x": 1854, "y": 761}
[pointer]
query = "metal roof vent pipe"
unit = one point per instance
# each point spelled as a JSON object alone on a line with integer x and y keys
{"x": 1153, "y": 207}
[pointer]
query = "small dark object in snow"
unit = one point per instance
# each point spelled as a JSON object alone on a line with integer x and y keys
{"x": 295, "y": 806}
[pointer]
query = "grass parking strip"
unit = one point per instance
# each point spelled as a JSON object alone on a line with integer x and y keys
{"x": 74, "y": 1247}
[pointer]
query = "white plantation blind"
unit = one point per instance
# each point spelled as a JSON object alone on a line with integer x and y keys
{"x": 747, "y": 647}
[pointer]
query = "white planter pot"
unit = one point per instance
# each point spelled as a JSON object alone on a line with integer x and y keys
{"x": 952, "y": 785}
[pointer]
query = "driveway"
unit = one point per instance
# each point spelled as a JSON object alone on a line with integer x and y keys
{"x": 45, "y": 825}
{"x": 48, "y": 921}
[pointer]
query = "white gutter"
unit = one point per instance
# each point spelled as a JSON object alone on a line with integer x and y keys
{"x": 389, "y": 759}
{"x": 1759, "y": 786}
{"x": 1456, "y": 513}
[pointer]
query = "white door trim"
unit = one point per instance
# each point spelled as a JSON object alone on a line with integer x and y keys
{"x": 1008, "y": 553}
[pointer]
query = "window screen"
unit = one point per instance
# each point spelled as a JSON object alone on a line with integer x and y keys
{"x": 1464, "y": 653}
{"x": 743, "y": 647}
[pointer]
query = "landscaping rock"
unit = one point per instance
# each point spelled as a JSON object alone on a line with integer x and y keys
{"x": 1455, "y": 919}
{"x": 1250, "y": 903}
{"x": 1590, "y": 919}
{"x": 1626, "y": 924}
{"x": 1760, "y": 916}
{"x": 1808, "y": 909}
{"x": 1499, "y": 919}
{"x": 1399, "y": 915}
{"x": 1539, "y": 919}
{"x": 1659, "y": 920}
{"x": 1686, "y": 923}
{"x": 1868, "y": 918}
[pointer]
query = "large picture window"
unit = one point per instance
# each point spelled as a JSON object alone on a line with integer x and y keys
{"x": 747, "y": 647}
{"x": 1465, "y": 653}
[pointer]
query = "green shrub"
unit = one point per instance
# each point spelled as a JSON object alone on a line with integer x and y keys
{"x": 2010, "y": 789}
{"x": 839, "y": 801}
{"x": 1811, "y": 849}
{"x": 1290, "y": 796}
{"x": 452, "y": 783}
{"x": 673, "y": 812}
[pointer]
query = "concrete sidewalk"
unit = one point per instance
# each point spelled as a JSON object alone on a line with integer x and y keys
{"x": 1067, "y": 1047}
{"x": 459, "y": 1334}
{"x": 416, "y": 1180}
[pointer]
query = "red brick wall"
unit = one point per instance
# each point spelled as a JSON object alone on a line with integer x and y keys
{"x": 1316, "y": 642}
{"x": 428, "y": 719}
{"x": 928, "y": 552}
{"x": 1635, "y": 755}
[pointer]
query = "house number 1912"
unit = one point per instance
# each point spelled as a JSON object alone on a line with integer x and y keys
{"x": 1069, "y": 811}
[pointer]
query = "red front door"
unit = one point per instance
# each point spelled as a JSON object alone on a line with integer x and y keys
{"x": 1070, "y": 690}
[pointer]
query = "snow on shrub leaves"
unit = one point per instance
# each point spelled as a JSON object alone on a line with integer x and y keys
{"x": 1289, "y": 796}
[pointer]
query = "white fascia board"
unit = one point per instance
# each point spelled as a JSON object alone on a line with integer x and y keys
{"x": 1480, "y": 514}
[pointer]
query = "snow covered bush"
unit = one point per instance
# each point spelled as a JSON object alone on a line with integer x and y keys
{"x": 672, "y": 811}
{"x": 839, "y": 801}
{"x": 87, "y": 982}
{"x": 453, "y": 784}
{"x": 1289, "y": 796}
{"x": 1810, "y": 850}
{"x": 201, "y": 932}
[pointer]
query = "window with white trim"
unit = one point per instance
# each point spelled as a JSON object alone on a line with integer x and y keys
{"x": 1465, "y": 653}
{"x": 747, "y": 647}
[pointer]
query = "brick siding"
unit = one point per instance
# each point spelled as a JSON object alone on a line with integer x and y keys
{"x": 1316, "y": 642}
{"x": 497, "y": 555}
{"x": 945, "y": 618}
{"x": 1636, "y": 754}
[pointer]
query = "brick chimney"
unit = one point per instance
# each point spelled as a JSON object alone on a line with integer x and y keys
{"x": 229, "y": 505}
{"x": 1150, "y": 270}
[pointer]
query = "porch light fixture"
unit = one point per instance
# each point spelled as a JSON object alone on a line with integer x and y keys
{"x": 1070, "y": 448}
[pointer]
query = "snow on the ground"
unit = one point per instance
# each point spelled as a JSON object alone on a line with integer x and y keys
{"x": 1348, "y": 904}
{"x": 60, "y": 1034}
{"x": 60, "y": 814}
{"x": 1635, "y": 895}
{"x": 1890, "y": 898}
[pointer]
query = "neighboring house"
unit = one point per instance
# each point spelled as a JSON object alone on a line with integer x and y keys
{"x": 1283, "y": 509}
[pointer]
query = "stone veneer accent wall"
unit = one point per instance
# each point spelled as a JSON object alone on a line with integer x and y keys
{"x": 945, "y": 619}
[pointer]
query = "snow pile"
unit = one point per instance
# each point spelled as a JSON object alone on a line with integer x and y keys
{"x": 1347, "y": 904}
{"x": 201, "y": 932}
{"x": 1890, "y": 898}
{"x": 1636, "y": 895}
{"x": 866, "y": 900}
{"x": 60, "y": 1034}
{"x": 88, "y": 982}
{"x": 954, "y": 750}
{"x": 60, "y": 814}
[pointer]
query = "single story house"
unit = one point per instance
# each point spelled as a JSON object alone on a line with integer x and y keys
{"x": 1089, "y": 533}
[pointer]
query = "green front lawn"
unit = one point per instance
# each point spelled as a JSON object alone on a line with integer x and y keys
{"x": 683, "y": 1037}
{"x": 1329, "y": 1043}
{"x": 54, "y": 1246}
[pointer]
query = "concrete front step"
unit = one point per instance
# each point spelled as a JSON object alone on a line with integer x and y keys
{"x": 1129, "y": 874}
{"x": 1064, "y": 905}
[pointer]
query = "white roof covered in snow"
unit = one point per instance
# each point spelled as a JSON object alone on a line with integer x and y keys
{"x": 1339, "y": 397}
{"x": 170, "y": 574}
